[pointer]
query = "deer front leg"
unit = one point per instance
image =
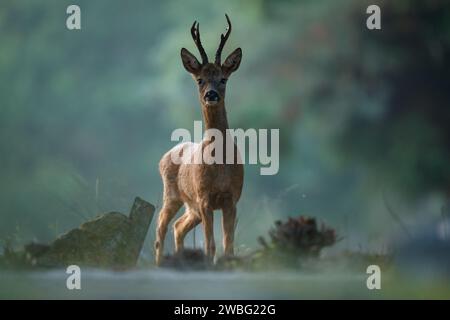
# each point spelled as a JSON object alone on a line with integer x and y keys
{"x": 208, "y": 230}
{"x": 228, "y": 227}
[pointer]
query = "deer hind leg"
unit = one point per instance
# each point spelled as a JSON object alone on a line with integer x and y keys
{"x": 183, "y": 225}
{"x": 166, "y": 214}
{"x": 207, "y": 217}
{"x": 228, "y": 228}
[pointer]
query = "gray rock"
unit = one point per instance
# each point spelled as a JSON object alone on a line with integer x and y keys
{"x": 111, "y": 240}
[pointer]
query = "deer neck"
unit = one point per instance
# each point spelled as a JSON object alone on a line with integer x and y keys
{"x": 215, "y": 118}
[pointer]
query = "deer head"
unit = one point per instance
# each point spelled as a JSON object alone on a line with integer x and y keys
{"x": 211, "y": 77}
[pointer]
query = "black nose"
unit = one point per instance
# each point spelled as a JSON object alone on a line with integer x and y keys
{"x": 211, "y": 95}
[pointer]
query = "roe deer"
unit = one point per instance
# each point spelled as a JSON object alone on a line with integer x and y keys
{"x": 203, "y": 187}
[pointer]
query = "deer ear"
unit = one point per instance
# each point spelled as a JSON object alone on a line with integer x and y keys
{"x": 232, "y": 62}
{"x": 190, "y": 62}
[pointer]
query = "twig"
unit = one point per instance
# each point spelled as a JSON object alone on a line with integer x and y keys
{"x": 394, "y": 215}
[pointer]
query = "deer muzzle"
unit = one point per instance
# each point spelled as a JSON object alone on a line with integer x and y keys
{"x": 211, "y": 97}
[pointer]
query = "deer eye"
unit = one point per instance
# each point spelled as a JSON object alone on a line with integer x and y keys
{"x": 200, "y": 82}
{"x": 223, "y": 81}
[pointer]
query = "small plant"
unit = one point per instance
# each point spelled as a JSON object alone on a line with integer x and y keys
{"x": 291, "y": 244}
{"x": 297, "y": 238}
{"x": 187, "y": 259}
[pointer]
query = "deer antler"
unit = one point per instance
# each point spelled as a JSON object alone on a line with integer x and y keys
{"x": 195, "y": 32}
{"x": 223, "y": 39}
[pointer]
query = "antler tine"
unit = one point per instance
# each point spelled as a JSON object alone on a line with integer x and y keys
{"x": 223, "y": 39}
{"x": 195, "y": 32}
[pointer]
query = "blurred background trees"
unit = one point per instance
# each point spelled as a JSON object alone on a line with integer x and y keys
{"x": 86, "y": 115}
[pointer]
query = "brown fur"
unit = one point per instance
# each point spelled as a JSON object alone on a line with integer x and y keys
{"x": 202, "y": 188}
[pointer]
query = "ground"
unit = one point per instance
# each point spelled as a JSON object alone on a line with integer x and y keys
{"x": 165, "y": 284}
